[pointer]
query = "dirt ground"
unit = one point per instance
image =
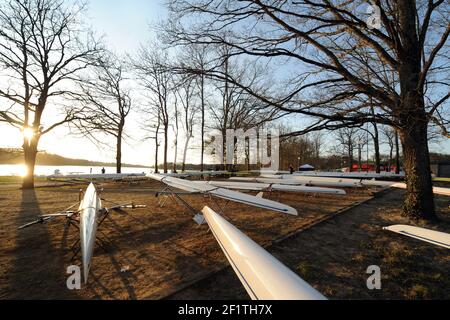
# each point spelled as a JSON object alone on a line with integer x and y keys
{"x": 159, "y": 252}
{"x": 333, "y": 256}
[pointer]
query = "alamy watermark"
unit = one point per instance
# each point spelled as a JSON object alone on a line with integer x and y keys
{"x": 74, "y": 279}
{"x": 374, "y": 280}
{"x": 239, "y": 146}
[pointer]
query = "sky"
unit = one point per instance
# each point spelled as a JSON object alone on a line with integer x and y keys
{"x": 125, "y": 25}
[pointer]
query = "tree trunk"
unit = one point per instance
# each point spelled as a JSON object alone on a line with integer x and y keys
{"x": 376, "y": 141}
{"x": 419, "y": 201}
{"x": 157, "y": 145}
{"x": 376, "y": 145}
{"x": 174, "y": 169}
{"x": 186, "y": 143}
{"x": 224, "y": 165}
{"x": 29, "y": 152}
{"x": 166, "y": 138}
{"x": 248, "y": 155}
{"x": 202, "y": 95}
{"x": 156, "y": 155}
{"x": 397, "y": 154}
{"x": 119, "y": 151}
{"x": 226, "y": 104}
{"x": 390, "y": 158}
{"x": 350, "y": 157}
{"x": 359, "y": 158}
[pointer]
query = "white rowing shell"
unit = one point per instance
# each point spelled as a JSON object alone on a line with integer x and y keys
{"x": 263, "y": 276}
{"x": 253, "y": 201}
{"x": 274, "y": 186}
{"x": 435, "y": 237}
{"x": 402, "y": 185}
{"x": 351, "y": 182}
{"x": 201, "y": 186}
{"x": 98, "y": 176}
{"x": 325, "y": 181}
{"x": 265, "y": 180}
{"x": 90, "y": 205}
{"x": 354, "y": 175}
{"x": 292, "y": 188}
{"x": 194, "y": 173}
{"x": 239, "y": 185}
{"x": 270, "y": 176}
{"x": 441, "y": 191}
{"x": 436, "y": 190}
{"x": 297, "y": 180}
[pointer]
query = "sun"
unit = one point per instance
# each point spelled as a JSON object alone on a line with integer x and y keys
{"x": 23, "y": 171}
{"x": 28, "y": 133}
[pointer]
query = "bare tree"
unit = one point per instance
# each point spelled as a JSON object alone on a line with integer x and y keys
{"x": 350, "y": 139}
{"x": 175, "y": 128}
{"x": 361, "y": 141}
{"x": 298, "y": 150}
{"x": 373, "y": 132}
{"x": 238, "y": 109}
{"x": 155, "y": 77}
{"x": 44, "y": 47}
{"x": 326, "y": 39}
{"x": 196, "y": 57}
{"x": 157, "y": 143}
{"x": 107, "y": 103}
{"x": 317, "y": 142}
{"x": 186, "y": 91}
{"x": 347, "y": 142}
{"x": 389, "y": 134}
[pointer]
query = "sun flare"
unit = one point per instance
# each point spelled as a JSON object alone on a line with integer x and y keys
{"x": 23, "y": 171}
{"x": 28, "y": 133}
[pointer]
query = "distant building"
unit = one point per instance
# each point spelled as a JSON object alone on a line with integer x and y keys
{"x": 441, "y": 169}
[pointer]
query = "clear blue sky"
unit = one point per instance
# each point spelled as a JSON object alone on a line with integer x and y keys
{"x": 125, "y": 23}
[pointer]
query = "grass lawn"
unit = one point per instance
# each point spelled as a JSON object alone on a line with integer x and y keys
{"x": 16, "y": 179}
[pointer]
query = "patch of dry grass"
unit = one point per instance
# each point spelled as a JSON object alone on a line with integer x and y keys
{"x": 334, "y": 255}
{"x": 161, "y": 248}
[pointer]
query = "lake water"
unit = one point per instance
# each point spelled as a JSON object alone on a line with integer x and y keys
{"x": 20, "y": 170}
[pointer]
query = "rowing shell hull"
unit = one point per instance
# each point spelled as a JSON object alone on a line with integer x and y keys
{"x": 325, "y": 181}
{"x": 258, "y": 186}
{"x": 252, "y": 201}
{"x": 436, "y": 190}
{"x": 98, "y": 176}
{"x": 89, "y": 208}
{"x": 401, "y": 185}
{"x": 351, "y": 175}
{"x": 204, "y": 187}
{"x": 262, "y": 275}
{"x": 435, "y": 237}
{"x": 297, "y": 180}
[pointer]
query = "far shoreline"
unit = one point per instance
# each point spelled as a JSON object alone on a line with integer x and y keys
{"x": 18, "y": 170}
{"x": 94, "y": 164}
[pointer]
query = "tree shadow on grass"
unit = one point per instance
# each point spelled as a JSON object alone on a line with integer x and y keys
{"x": 38, "y": 270}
